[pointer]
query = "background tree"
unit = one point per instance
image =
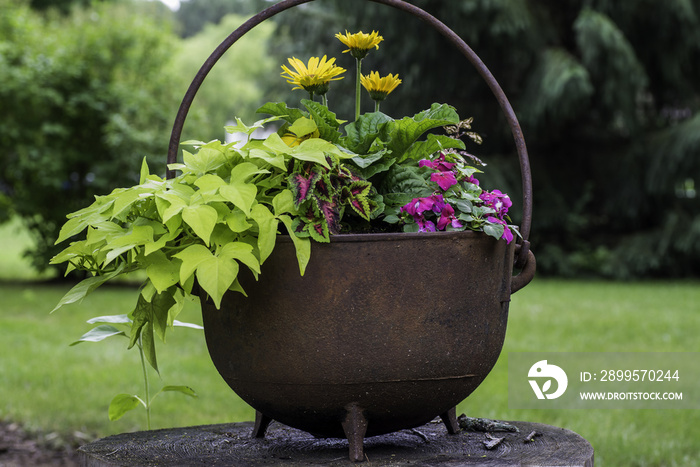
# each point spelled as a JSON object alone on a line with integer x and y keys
{"x": 608, "y": 96}
{"x": 84, "y": 98}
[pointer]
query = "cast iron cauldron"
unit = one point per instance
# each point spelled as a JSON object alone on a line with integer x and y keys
{"x": 384, "y": 331}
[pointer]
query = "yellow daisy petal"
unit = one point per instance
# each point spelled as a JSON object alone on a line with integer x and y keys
{"x": 360, "y": 43}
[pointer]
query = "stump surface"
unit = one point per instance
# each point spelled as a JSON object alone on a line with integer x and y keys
{"x": 429, "y": 445}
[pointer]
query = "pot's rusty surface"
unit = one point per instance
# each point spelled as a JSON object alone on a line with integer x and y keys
{"x": 393, "y": 328}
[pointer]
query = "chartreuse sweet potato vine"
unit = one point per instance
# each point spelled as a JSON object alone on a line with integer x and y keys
{"x": 313, "y": 178}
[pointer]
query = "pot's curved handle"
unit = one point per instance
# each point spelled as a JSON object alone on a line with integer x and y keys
{"x": 528, "y": 268}
{"x": 507, "y": 109}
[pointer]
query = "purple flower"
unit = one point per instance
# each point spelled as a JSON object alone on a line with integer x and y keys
{"x": 439, "y": 164}
{"x": 447, "y": 217}
{"x": 499, "y": 202}
{"x": 473, "y": 180}
{"x": 444, "y": 179}
{"x": 425, "y": 226}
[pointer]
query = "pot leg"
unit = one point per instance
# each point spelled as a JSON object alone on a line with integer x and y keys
{"x": 355, "y": 427}
{"x": 261, "y": 424}
{"x": 449, "y": 418}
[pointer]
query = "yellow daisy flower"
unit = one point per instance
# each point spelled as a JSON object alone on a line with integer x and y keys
{"x": 360, "y": 43}
{"x": 314, "y": 77}
{"x": 377, "y": 87}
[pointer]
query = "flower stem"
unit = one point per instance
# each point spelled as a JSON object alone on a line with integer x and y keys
{"x": 357, "y": 88}
{"x": 145, "y": 382}
{"x": 324, "y": 100}
{"x": 376, "y": 106}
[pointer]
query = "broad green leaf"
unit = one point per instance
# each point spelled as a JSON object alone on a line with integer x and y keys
{"x": 121, "y": 404}
{"x": 325, "y": 120}
{"x": 362, "y": 133}
{"x": 242, "y": 252}
{"x": 280, "y": 109}
{"x": 191, "y": 258}
{"x": 432, "y": 144}
{"x": 209, "y": 183}
{"x": 242, "y": 195}
{"x": 79, "y": 220}
{"x": 237, "y": 221}
{"x": 99, "y": 333}
{"x": 241, "y": 172}
{"x": 273, "y": 158}
{"x": 161, "y": 242}
{"x": 494, "y": 230}
{"x": 267, "y": 230}
{"x": 241, "y": 127}
{"x": 283, "y": 203}
{"x": 314, "y": 150}
{"x": 84, "y": 287}
{"x": 301, "y": 245}
{"x": 275, "y": 144}
{"x": 205, "y": 160}
{"x": 400, "y": 134}
{"x": 201, "y": 218}
{"x": 138, "y": 235}
{"x": 215, "y": 275}
{"x": 162, "y": 272}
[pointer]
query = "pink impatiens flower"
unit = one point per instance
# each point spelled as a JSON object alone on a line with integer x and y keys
{"x": 447, "y": 217}
{"x": 444, "y": 179}
{"x": 499, "y": 202}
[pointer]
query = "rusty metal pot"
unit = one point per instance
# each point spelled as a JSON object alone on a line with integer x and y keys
{"x": 383, "y": 332}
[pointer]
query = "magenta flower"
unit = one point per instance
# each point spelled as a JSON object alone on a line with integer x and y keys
{"x": 425, "y": 226}
{"x": 499, "y": 202}
{"x": 439, "y": 164}
{"x": 447, "y": 217}
{"x": 473, "y": 180}
{"x": 444, "y": 179}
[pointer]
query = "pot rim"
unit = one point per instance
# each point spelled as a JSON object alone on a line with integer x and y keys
{"x": 394, "y": 236}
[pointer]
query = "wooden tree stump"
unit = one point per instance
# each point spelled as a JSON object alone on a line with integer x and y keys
{"x": 232, "y": 444}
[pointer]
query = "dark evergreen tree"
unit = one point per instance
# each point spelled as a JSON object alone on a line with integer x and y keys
{"x": 608, "y": 96}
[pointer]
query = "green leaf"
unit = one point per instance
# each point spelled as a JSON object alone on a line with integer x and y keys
{"x": 237, "y": 221}
{"x": 275, "y": 144}
{"x": 121, "y": 404}
{"x": 283, "y": 203}
{"x": 241, "y": 194}
{"x": 280, "y": 109}
{"x": 303, "y": 126}
{"x": 494, "y": 230}
{"x": 84, "y": 287}
{"x": 301, "y": 245}
{"x": 325, "y": 120}
{"x": 215, "y": 275}
{"x": 114, "y": 319}
{"x": 205, "y": 160}
{"x": 362, "y": 133}
{"x": 186, "y": 390}
{"x": 267, "y": 230}
{"x": 144, "y": 171}
{"x": 136, "y": 236}
{"x": 162, "y": 272}
{"x": 432, "y": 144}
{"x": 148, "y": 345}
{"x": 400, "y": 134}
{"x": 99, "y": 333}
{"x": 201, "y": 218}
{"x": 242, "y": 252}
{"x": 314, "y": 150}
{"x": 191, "y": 258}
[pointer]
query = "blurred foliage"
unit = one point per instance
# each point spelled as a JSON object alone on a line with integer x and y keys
{"x": 84, "y": 97}
{"x": 195, "y": 15}
{"x": 235, "y": 87}
{"x": 607, "y": 93}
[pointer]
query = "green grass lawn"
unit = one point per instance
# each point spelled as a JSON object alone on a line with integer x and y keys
{"x": 48, "y": 386}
